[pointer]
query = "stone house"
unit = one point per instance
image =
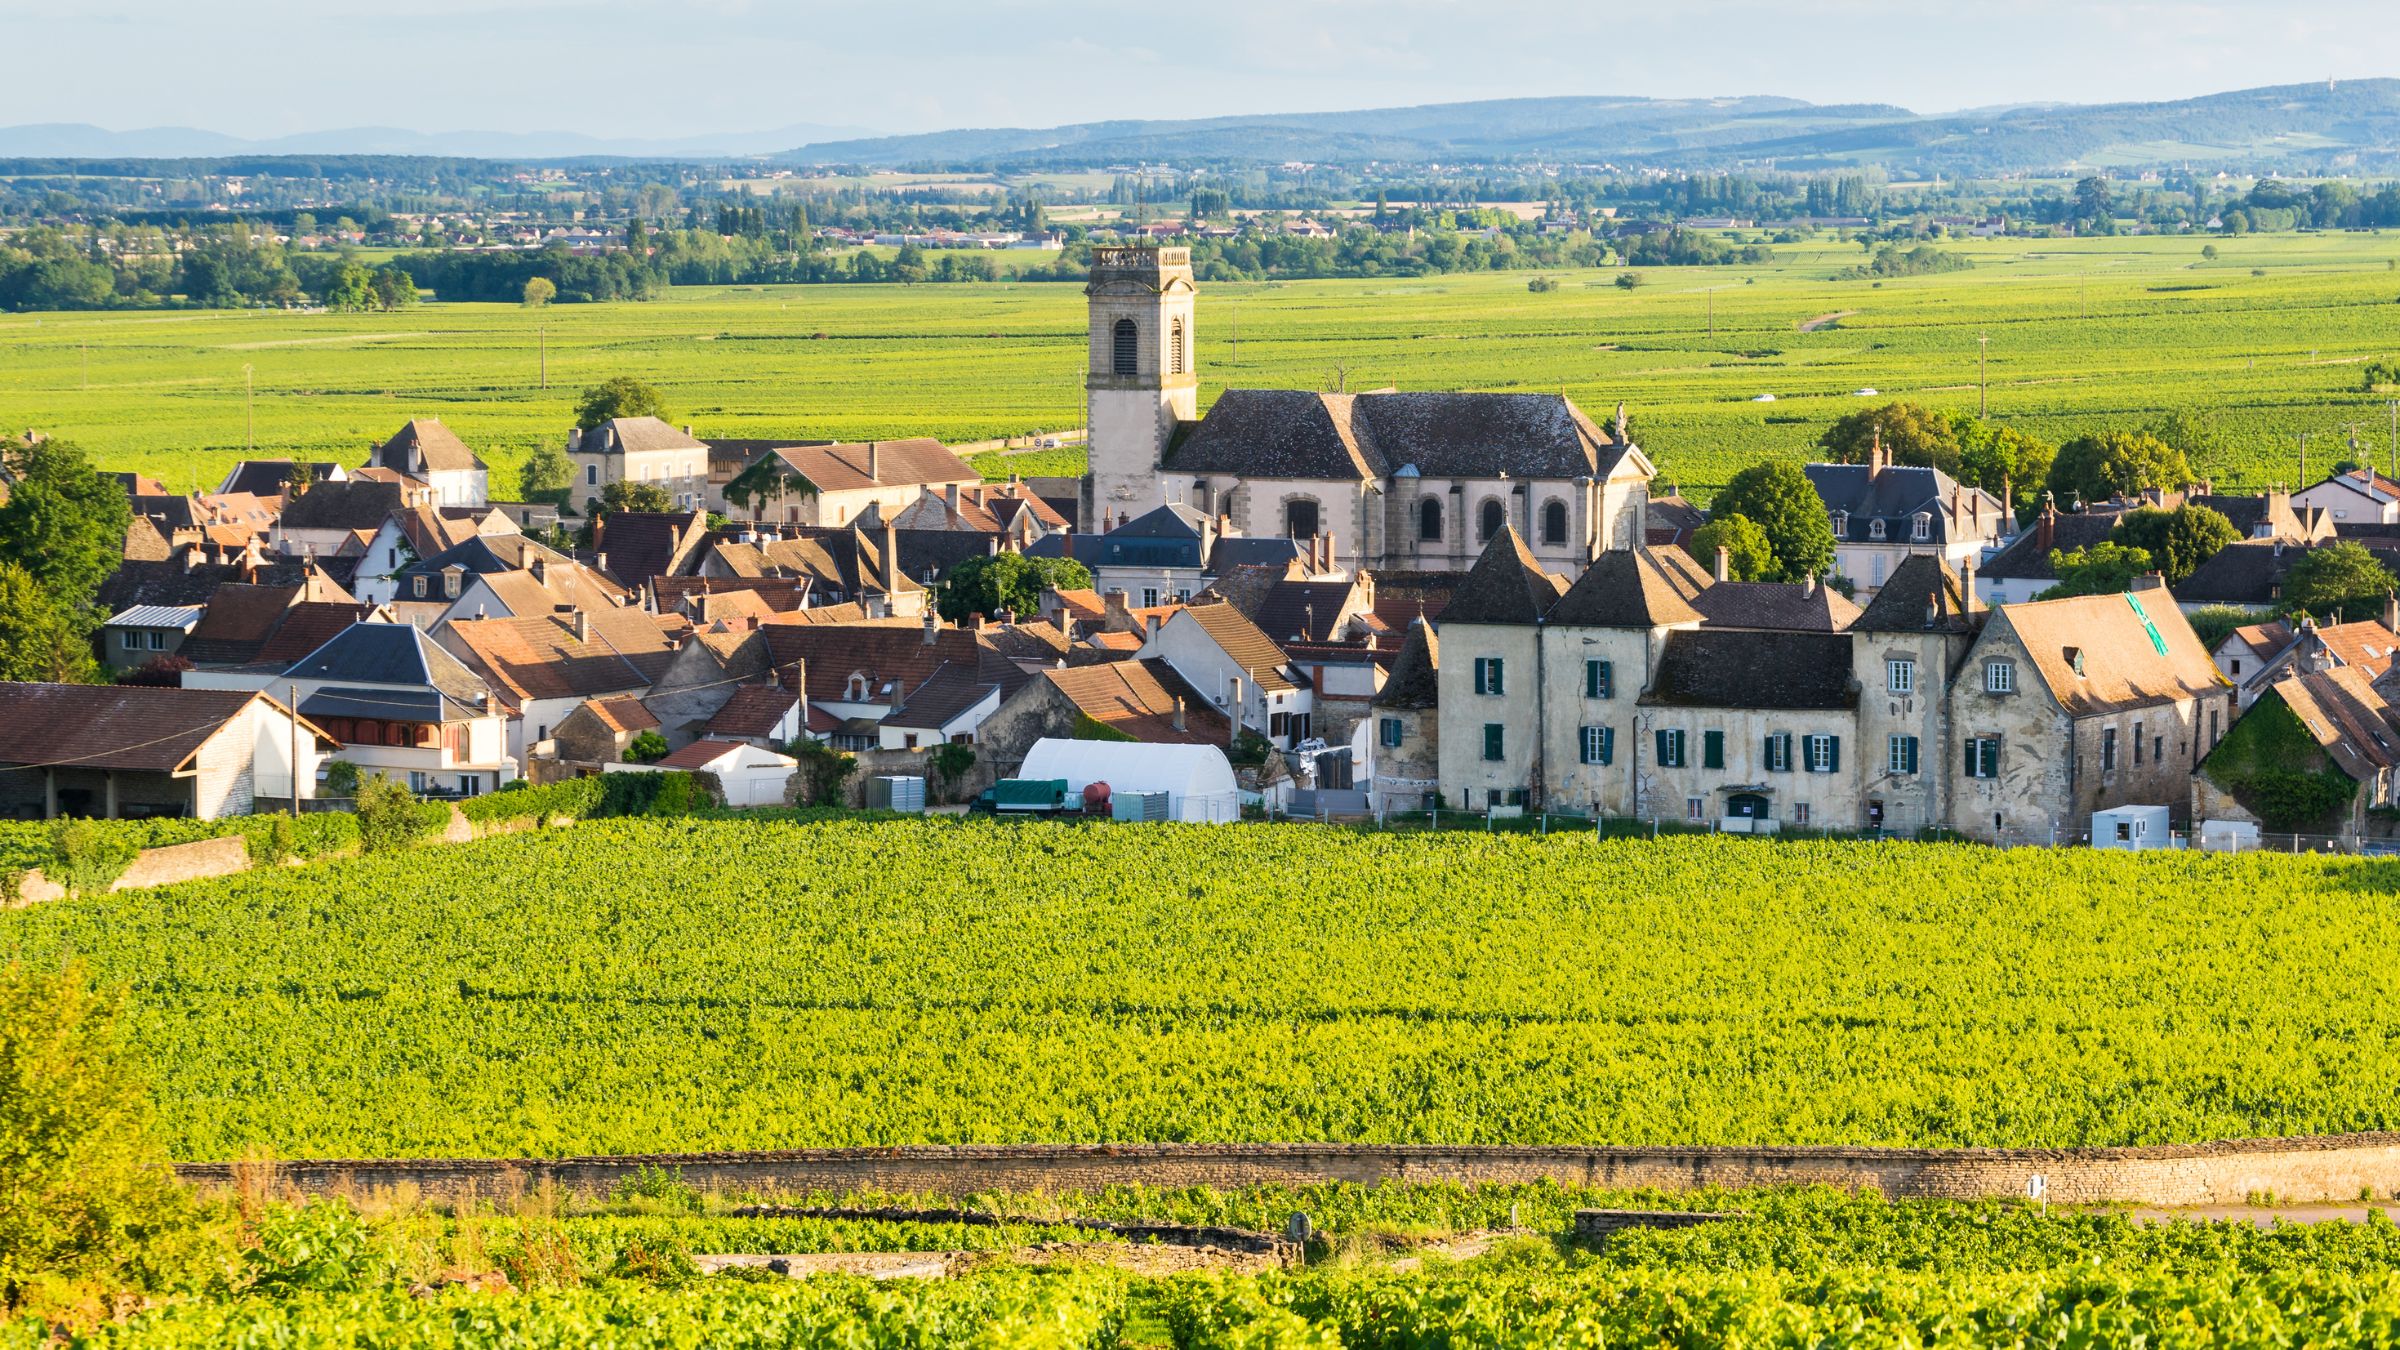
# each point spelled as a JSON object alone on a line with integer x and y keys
{"x": 1238, "y": 667}
{"x": 1882, "y": 513}
{"x": 834, "y": 485}
{"x": 1135, "y": 700}
{"x": 428, "y": 452}
{"x": 2065, "y": 707}
{"x": 2256, "y": 656}
{"x": 1907, "y": 648}
{"x": 638, "y": 450}
{"x": 1745, "y": 729}
{"x": 134, "y": 751}
{"x": 1490, "y": 678}
{"x": 540, "y": 668}
{"x": 1402, "y": 767}
{"x": 2318, "y": 719}
{"x": 139, "y": 634}
{"x": 1601, "y": 644}
{"x": 600, "y": 730}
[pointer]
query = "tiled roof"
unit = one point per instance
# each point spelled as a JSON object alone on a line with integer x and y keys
{"x": 180, "y": 581}
{"x": 700, "y": 754}
{"x": 1401, "y": 598}
{"x": 951, "y": 690}
{"x": 1243, "y": 641}
{"x": 1922, "y": 595}
{"x": 424, "y": 445}
{"x": 894, "y": 654}
{"x": 1793, "y": 606}
{"x": 352, "y": 504}
{"x": 1628, "y": 588}
{"x": 1279, "y": 433}
{"x": 2347, "y": 716}
{"x": 540, "y": 657}
{"x": 1138, "y": 698}
{"x": 2122, "y": 667}
{"x": 308, "y": 625}
{"x": 754, "y": 710}
{"x": 1415, "y": 680}
{"x": 239, "y": 619}
{"x": 1505, "y": 586}
{"x": 865, "y": 464}
{"x": 621, "y": 714}
{"x": 645, "y": 544}
{"x": 1303, "y": 611}
{"x": 1742, "y": 668}
{"x": 128, "y": 727}
{"x": 635, "y": 435}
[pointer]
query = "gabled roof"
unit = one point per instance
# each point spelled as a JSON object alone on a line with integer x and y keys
{"x": 754, "y": 710}
{"x": 1505, "y": 586}
{"x": 951, "y": 690}
{"x": 866, "y": 464}
{"x": 532, "y": 657}
{"x": 1859, "y": 495}
{"x": 634, "y": 435}
{"x": 239, "y": 618}
{"x": 2347, "y": 716}
{"x": 1415, "y": 680}
{"x": 126, "y": 727}
{"x": 1243, "y": 641}
{"x": 1803, "y": 607}
{"x": 423, "y": 445}
{"x": 1138, "y": 698}
{"x": 1627, "y": 588}
{"x": 1741, "y": 668}
{"x": 390, "y": 653}
{"x": 894, "y": 657}
{"x": 1305, "y": 611}
{"x": 2123, "y": 666}
{"x": 270, "y": 477}
{"x": 352, "y": 504}
{"x": 1922, "y": 595}
{"x": 1285, "y": 433}
{"x": 643, "y": 544}
{"x": 621, "y": 714}
{"x": 700, "y": 754}
{"x": 2027, "y": 557}
{"x": 308, "y": 625}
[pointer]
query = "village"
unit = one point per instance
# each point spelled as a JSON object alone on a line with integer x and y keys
{"x": 1466, "y": 608}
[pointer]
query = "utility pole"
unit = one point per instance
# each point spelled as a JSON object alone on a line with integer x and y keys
{"x": 292, "y": 691}
{"x": 87, "y": 365}
{"x": 249, "y": 411}
{"x": 2083, "y": 287}
{"x": 1237, "y": 332}
{"x": 1712, "y": 313}
{"x": 2396, "y": 438}
{"x": 1983, "y": 356}
{"x": 541, "y": 339}
{"x": 2304, "y": 459}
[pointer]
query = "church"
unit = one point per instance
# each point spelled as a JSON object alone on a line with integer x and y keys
{"x": 1404, "y": 481}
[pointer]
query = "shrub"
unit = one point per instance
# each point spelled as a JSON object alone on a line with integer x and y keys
{"x": 823, "y": 771}
{"x": 86, "y": 1186}
{"x": 1626, "y": 281}
{"x": 322, "y": 1246}
{"x": 647, "y": 748}
{"x": 341, "y": 778}
{"x": 87, "y": 856}
{"x": 390, "y": 818}
{"x": 571, "y": 797}
{"x": 650, "y": 794}
{"x": 1541, "y": 285}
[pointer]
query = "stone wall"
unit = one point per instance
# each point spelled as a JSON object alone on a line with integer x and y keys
{"x": 2329, "y": 1168}
{"x": 171, "y": 863}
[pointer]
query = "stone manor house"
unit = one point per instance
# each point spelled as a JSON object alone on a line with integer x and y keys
{"x": 1407, "y": 481}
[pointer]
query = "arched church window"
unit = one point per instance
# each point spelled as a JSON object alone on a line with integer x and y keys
{"x": 1128, "y": 354}
{"x": 1493, "y": 516}
{"x": 1300, "y": 519}
{"x": 1429, "y": 519}
{"x": 1175, "y": 353}
{"x": 1554, "y": 522}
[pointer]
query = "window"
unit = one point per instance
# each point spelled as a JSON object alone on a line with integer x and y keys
{"x": 2237, "y": 665}
{"x": 1921, "y": 528}
{"x": 1824, "y": 754}
{"x": 1493, "y": 516}
{"x": 1900, "y": 676}
{"x": 1175, "y": 356}
{"x": 1279, "y": 725}
{"x": 1300, "y": 519}
{"x": 420, "y": 588}
{"x": 1599, "y": 680}
{"x": 2108, "y": 749}
{"x": 1695, "y": 808}
{"x": 1779, "y": 751}
{"x": 2212, "y": 727}
{"x": 2137, "y": 742}
{"x": 1799, "y": 813}
{"x": 1999, "y": 677}
{"x": 451, "y": 581}
{"x": 1126, "y": 359}
{"x": 1903, "y": 755}
{"x": 1494, "y": 742}
{"x": 1712, "y": 749}
{"x": 1599, "y": 745}
{"x": 1874, "y": 529}
{"x": 591, "y": 475}
{"x": 127, "y": 639}
{"x": 1506, "y": 797}
{"x": 1983, "y": 757}
{"x": 1490, "y": 673}
{"x": 1389, "y": 731}
{"x": 2158, "y": 748}
{"x": 1554, "y": 522}
{"x": 1429, "y": 519}
{"x": 1149, "y": 597}
{"x": 1670, "y": 749}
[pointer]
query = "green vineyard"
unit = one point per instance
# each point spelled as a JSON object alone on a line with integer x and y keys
{"x": 636, "y": 986}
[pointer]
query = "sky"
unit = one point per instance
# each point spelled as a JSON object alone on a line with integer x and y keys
{"x": 662, "y": 69}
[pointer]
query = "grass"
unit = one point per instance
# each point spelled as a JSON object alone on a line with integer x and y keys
{"x": 2083, "y": 333}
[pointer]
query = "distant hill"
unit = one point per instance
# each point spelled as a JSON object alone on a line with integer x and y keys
{"x": 2349, "y": 125}
{"x": 81, "y": 141}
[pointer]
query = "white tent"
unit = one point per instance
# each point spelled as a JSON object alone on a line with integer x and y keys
{"x": 1196, "y": 778}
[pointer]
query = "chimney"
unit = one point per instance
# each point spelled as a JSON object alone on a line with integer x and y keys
{"x": 950, "y": 494}
{"x": 2045, "y": 526}
{"x": 583, "y": 626}
{"x": 1150, "y": 629}
{"x": 2149, "y": 581}
{"x": 600, "y": 561}
{"x": 687, "y": 429}
{"x": 2391, "y": 612}
{"x": 933, "y": 626}
{"x": 1179, "y": 726}
{"x": 541, "y": 572}
{"x": 891, "y": 556}
{"x": 1875, "y": 452}
{"x": 1808, "y": 585}
{"x": 1966, "y": 584}
{"x": 574, "y": 439}
{"x": 1327, "y": 565}
{"x": 1724, "y": 563}
{"x": 1233, "y": 712}
{"x": 874, "y": 463}
{"x": 1117, "y": 615}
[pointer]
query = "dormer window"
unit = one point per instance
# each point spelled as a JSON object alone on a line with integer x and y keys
{"x": 1921, "y": 529}
{"x": 2075, "y": 661}
{"x": 859, "y": 686}
{"x": 420, "y": 587}
{"x": 1841, "y": 524}
{"x": 1875, "y": 529}
{"x": 450, "y": 584}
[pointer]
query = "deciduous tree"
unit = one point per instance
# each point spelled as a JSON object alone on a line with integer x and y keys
{"x": 1749, "y": 557}
{"x": 1007, "y": 582}
{"x": 2105, "y": 568}
{"x": 2337, "y": 583}
{"x": 2177, "y": 541}
{"x": 2095, "y": 468}
{"x": 623, "y": 396}
{"x": 1778, "y": 499}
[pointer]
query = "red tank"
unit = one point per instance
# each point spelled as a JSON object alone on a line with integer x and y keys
{"x": 1095, "y": 799}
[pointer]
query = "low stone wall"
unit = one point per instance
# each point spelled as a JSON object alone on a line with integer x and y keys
{"x": 2339, "y": 1167}
{"x": 171, "y": 863}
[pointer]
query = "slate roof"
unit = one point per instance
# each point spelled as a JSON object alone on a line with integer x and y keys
{"x": 2027, "y": 557}
{"x": 1671, "y": 520}
{"x": 886, "y": 653}
{"x": 268, "y": 477}
{"x": 637, "y": 435}
{"x": 352, "y": 504}
{"x": 1922, "y": 595}
{"x": 2121, "y": 666}
{"x": 423, "y": 445}
{"x": 1233, "y": 550}
{"x": 1895, "y": 495}
{"x": 645, "y": 544}
{"x": 1628, "y": 588}
{"x": 1505, "y": 586}
{"x": 843, "y": 561}
{"x": 753, "y": 710}
{"x": 126, "y": 727}
{"x": 1285, "y": 433}
{"x": 1403, "y": 597}
{"x": 390, "y": 653}
{"x": 1795, "y": 606}
{"x": 952, "y": 689}
{"x": 1414, "y": 681}
{"x": 1743, "y": 668}
{"x": 1138, "y": 698}
{"x": 2251, "y": 572}
{"x": 1303, "y": 611}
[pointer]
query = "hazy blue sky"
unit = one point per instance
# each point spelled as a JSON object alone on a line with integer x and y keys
{"x": 664, "y": 68}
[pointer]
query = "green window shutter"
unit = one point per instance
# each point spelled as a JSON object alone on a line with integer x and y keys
{"x": 1608, "y": 744}
{"x": 1482, "y": 675}
{"x": 1974, "y": 760}
{"x": 1665, "y": 758}
{"x": 1712, "y": 749}
{"x": 1908, "y": 752}
{"x": 1492, "y": 744}
{"x": 1833, "y": 754}
{"x": 1991, "y": 757}
{"x": 1591, "y": 679}
{"x": 1499, "y": 676}
{"x": 1608, "y": 681}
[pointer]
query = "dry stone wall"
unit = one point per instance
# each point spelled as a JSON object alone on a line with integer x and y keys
{"x": 2341, "y": 1167}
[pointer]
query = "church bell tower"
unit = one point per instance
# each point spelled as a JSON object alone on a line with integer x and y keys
{"x": 1141, "y": 378}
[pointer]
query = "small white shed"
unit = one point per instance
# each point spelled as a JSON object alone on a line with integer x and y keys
{"x": 2229, "y": 836}
{"x": 2132, "y": 827}
{"x": 751, "y": 775}
{"x": 1197, "y": 779}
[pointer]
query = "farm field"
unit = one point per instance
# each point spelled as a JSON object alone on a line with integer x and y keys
{"x": 2268, "y": 339}
{"x": 634, "y": 986}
